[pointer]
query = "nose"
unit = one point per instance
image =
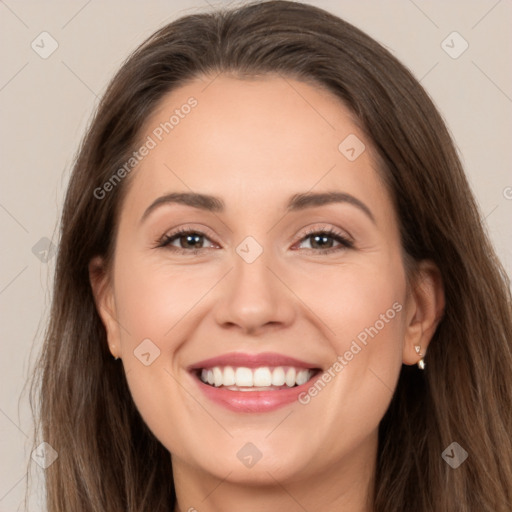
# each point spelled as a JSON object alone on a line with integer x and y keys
{"x": 254, "y": 297}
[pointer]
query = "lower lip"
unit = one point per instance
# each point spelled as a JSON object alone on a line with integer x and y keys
{"x": 253, "y": 401}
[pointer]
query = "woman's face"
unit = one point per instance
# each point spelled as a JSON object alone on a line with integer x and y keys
{"x": 257, "y": 293}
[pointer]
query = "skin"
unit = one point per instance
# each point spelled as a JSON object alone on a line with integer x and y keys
{"x": 254, "y": 143}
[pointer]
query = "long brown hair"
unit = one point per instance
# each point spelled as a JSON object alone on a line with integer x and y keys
{"x": 107, "y": 457}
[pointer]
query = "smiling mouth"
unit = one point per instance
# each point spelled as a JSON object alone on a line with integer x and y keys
{"x": 263, "y": 378}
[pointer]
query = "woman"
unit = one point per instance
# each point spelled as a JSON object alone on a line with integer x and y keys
{"x": 368, "y": 370}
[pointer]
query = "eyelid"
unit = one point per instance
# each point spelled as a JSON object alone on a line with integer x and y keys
{"x": 202, "y": 230}
{"x": 345, "y": 240}
{"x": 164, "y": 242}
{"x": 320, "y": 228}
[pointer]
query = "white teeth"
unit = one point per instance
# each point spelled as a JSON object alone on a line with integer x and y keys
{"x": 229, "y": 376}
{"x": 243, "y": 377}
{"x": 302, "y": 377}
{"x": 290, "y": 377}
{"x": 278, "y": 378}
{"x": 217, "y": 376}
{"x": 262, "y": 377}
{"x": 253, "y": 379}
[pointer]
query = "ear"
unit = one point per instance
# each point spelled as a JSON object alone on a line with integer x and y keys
{"x": 105, "y": 303}
{"x": 425, "y": 307}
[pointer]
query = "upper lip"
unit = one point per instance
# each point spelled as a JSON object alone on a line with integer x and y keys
{"x": 240, "y": 359}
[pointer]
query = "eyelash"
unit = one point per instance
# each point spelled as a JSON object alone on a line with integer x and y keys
{"x": 166, "y": 240}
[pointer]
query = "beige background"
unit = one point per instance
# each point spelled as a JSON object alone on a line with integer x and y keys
{"x": 46, "y": 103}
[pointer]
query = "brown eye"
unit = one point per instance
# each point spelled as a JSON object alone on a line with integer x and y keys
{"x": 322, "y": 241}
{"x": 190, "y": 242}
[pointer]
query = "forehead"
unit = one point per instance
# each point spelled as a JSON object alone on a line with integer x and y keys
{"x": 255, "y": 141}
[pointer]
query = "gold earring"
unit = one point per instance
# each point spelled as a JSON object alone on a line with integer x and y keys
{"x": 111, "y": 351}
{"x": 421, "y": 362}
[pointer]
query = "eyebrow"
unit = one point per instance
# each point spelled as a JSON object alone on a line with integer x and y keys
{"x": 297, "y": 202}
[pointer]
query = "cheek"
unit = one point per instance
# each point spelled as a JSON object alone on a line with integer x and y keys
{"x": 153, "y": 298}
{"x": 157, "y": 304}
{"x": 356, "y": 301}
{"x": 361, "y": 308}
